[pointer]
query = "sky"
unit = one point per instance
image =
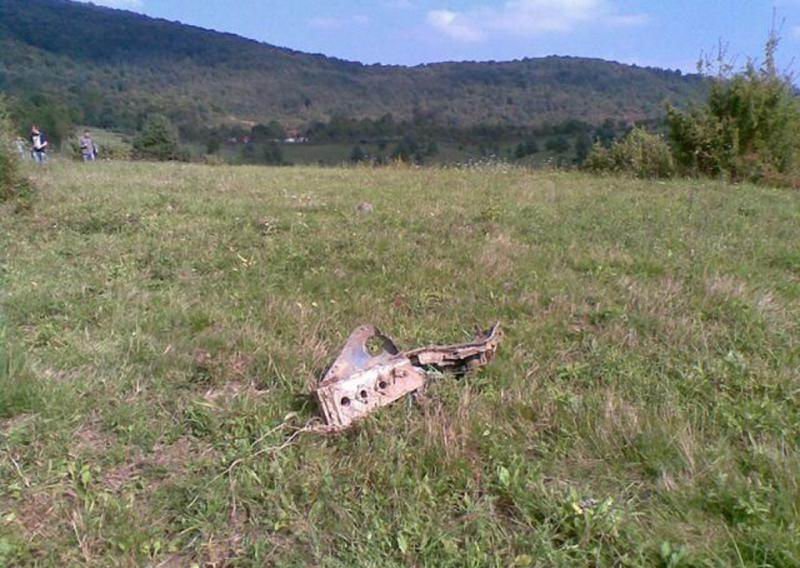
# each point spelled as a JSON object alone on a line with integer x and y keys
{"x": 661, "y": 33}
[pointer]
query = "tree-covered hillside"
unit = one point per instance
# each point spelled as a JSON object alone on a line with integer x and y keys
{"x": 111, "y": 68}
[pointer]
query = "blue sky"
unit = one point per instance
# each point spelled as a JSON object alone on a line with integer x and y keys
{"x": 666, "y": 33}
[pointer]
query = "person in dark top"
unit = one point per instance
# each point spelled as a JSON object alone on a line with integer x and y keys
{"x": 38, "y": 145}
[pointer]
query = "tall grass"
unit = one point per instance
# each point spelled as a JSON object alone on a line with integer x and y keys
{"x": 13, "y": 185}
{"x": 642, "y": 410}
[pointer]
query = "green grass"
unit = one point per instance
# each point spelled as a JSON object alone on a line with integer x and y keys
{"x": 165, "y": 323}
{"x": 449, "y": 153}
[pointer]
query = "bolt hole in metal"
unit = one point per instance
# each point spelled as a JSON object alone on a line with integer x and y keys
{"x": 359, "y": 382}
{"x": 375, "y": 345}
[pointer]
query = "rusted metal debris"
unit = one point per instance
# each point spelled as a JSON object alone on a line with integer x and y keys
{"x": 372, "y": 372}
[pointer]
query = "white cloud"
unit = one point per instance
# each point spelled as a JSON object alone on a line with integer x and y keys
{"x": 628, "y": 20}
{"x": 796, "y": 32}
{"x": 454, "y": 25}
{"x": 529, "y": 17}
{"x": 323, "y": 23}
{"x": 122, "y": 4}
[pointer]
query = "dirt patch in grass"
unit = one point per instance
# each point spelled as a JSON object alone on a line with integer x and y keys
{"x": 10, "y": 425}
{"x": 230, "y": 391}
{"x": 37, "y": 515}
{"x": 164, "y": 462}
{"x": 119, "y": 477}
{"x": 726, "y": 286}
{"x": 91, "y": 439}
{"x": 499, "y": 254}
{"x": 221, "y": 367}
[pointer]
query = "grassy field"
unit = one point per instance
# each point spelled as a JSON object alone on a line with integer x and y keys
{"x": 162, "y": 326}
{"x": 448, "y": 153}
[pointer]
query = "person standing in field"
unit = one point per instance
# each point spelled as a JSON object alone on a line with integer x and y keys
{"x": 39, "y": 145}
{"x": 88, "y": 147}
{"x": 22, "y": 150}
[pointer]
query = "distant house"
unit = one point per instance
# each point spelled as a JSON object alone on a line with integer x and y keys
{"x": 294, "y": 136}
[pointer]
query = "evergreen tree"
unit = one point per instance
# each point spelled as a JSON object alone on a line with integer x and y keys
{"x": 357, "y": 155}
{"x": 273, "y": 155}
{"x": 406, "y": 150}
{"x": 606, "y": 133}
{"x": 559, "y": 145}
{"x": 158, "y": 140}
{"x": 213, "y": 145}
{"x": 526, "y": 148}
{"x": 583, "y": 145}
{"x": 432, "y": 149}
{"x": 269, "y": 132}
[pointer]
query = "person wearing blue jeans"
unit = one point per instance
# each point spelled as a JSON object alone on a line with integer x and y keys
{"x": 38, "y": 145}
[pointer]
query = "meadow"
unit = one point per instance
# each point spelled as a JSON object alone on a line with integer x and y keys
{"x": 115, "y": 145}
{"x": 162, "y": 326}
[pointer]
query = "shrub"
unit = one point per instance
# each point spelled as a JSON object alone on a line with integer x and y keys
{"x": 640, "y": 153}
{"x": 12, "y": 182}
{"x": 749, "y": 129}
{"x": 111, "y": 151}
{"x": 559, "y": 145}
{"x": 213, "y": 160}
{"x": 357, "y": 155}
{"x": 526, "y": 148}
{"x": 158, "y": 140}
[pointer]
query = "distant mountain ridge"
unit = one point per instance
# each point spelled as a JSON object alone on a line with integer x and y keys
{"x": 111, "y": 67}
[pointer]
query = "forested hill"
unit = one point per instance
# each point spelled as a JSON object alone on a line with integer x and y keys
{"x": 111, "y": 67}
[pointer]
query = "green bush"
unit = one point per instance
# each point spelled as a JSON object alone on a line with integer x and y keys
{"x": 640, "y": 153}
{"x": 12, "y": 182}
{"x": 749, "y": 129}
{"x": 158, "y": 140}
{"x": 111, "y": 151}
